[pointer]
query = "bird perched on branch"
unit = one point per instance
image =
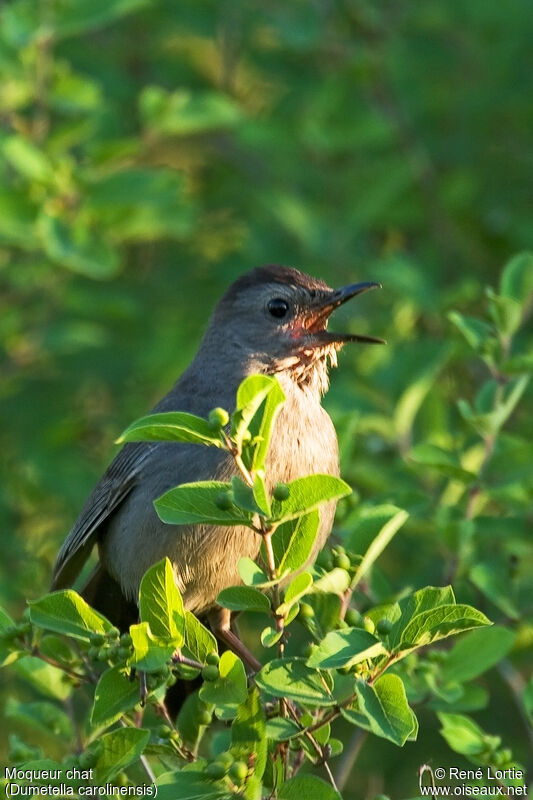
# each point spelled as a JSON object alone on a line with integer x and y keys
{"x": 272, "y": 320}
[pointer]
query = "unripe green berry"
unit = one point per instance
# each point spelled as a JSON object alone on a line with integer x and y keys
{"x": 384, "y": 626}
{"x": 215, "y": 770}
{"x": 126, "y": 640}
{"x": 354, "y": 618}
{"x": 218, "y": 417}
{"x": 210, "y": 673}
{"x": 92, "y": 653}
{"x": 113, "y": 633}
{"x": 224, "y": 501}
{"x": 87, "y": 759}
{"x": 97, "y": 639}
{"x": 164, "y": 732}
{"x": 238, "y": 772}
{"x": 225, "y": 758}
{"x": 342, "y": 561}
{"x": 212, "y": 658}
{"x": 306, "y": 611}
{"x": 121, "y": 779}
{"x": 102, "y": 653}
{"x": 369, "y": 625}
{"x": 281, "y": 492}
{"x": 204, "y": 717}
{"x": 124, "y": 653}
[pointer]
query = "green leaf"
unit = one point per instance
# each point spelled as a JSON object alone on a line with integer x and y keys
{"x": 270, "y": 636}
{"x": 77, "y": 247}
{"x": 345, "y": 647}
{"x": 391, "y": 527}
{"x": 248, "y": 733}
{"x": 307, "y": 494}
{"x": 476, "y": 331}
{"x": 229, "y": 690}
{"x": 309, "y": 787}
{"x": 464, "y": 735}
{"x": 187, "y": 113}
{"x": 116, "y": 750}
{"x": 517, "y": 278}
{"x": 476, "y": 652}
{"x": 292, "y": 678}
{"x": 243, "y": 598}
{"x": 293, "y": 542}
{"x": 251, "y": 573}
{"x": 150, "y": 652}
{"x": 193, "y": 503}
{"x": 430, "y": 597}
{"x": 383, "y": 709}
{"x": 492, "y": 579}
{"x": 443, "y": 461}
{"x": 43, "y": 715}
{"x": 438, "y": 623}
{"x": 28, "y": 159}
{"x": 506, "y": 313}
{"x": 334, "y": 582}
{"x": 115, "y": 694}
{"x": 160, "y": 603}
{"x": 199, "y": 641}
{"x": 190, "y": 785}
{"x": 261, "y": 433}
{"x": 280, "y": 729}
{"x": 244, "y": 496}
{"x": 66, "y": 612}
{"x": 297, "y": 588}
{"x": 47, "y": 679}
{"x": 171, "y": 426}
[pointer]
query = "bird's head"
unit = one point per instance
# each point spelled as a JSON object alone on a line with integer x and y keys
{"x": 279, "y": 317}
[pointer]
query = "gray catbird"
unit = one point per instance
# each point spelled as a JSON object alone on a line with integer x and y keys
{"x": 272, "y": 320}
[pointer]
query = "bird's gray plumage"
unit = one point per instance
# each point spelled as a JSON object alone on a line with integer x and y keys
{"x": 242, "y": 339}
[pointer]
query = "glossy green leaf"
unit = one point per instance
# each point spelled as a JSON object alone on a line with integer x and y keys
{"x": 243, "y": 598}
{"x": 150, "y": 652}
{"x": 438, "y": 623}
{"x": 383, "y": 709}
{"x": 345, "y": 647}
{"x": 160, "y": 603}
{"x": 308, "y": 786}
{"x": 307, "y": 494}
{"x": 293, "y": 542}
{"x": 199, "y": 641}
{"x": 117, "y": 750}
{"x": 115, "y": 694}
{"x": 292, "y": 678}
{"x": 229, "y": 690}
{"x": 193, "y": 503}
{"x": 66, "y": 612}
{"x": 171, "y": 426}
{"x": 297, "y": 588}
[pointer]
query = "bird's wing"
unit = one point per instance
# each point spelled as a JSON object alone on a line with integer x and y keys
{"x": 116, "y": 483}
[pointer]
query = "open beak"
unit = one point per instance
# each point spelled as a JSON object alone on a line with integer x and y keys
{"x": 319, "y": 313}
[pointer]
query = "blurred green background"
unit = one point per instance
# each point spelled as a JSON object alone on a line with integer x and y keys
{"x": 152, "y": 151}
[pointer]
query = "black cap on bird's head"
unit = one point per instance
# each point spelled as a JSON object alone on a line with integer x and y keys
{"x": 282, "y": 314}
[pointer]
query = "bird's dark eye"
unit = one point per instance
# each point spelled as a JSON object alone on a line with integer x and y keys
{"x": 278, "y": 307}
